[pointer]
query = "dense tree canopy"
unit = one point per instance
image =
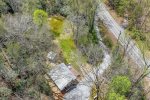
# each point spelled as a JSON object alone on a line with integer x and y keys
{"x": 29, "y": 29}
{"x": 115, "y": 96}
{"x": 121, "y": 84}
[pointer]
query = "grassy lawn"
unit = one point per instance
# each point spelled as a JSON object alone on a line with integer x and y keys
{"x": 68, "y": 47}
{"x": 56, "y": 25}
{"x": 71, "y": 53}
{"x": 64, "y": 35}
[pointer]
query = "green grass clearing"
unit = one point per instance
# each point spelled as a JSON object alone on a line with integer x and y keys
{"x": 63, "y": 31}
{"x": 56, "y": 25}
{"x": 67, "y": 46}
{"x": 70, "y": 52}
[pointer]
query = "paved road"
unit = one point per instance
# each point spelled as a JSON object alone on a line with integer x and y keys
{"x": 132, "y": 51}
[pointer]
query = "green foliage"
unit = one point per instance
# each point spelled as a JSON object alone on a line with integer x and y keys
{"x": 89, "y": 38}
{"x": 93, "y": 56}
{"x": 56, "y": 25}
{"x": 119, "y": 87}
{"x": 10, "y": 75}
{"x": 13, "y": 49}
{"x": 60, "y": 7}
{"x": 133, "y": 8}
{"x": 32, "y": 93}
{"x": 29, "y": 6}
{"x": 108, "y": 42}
{"x": 19, "y": 86}
{"x": 5, "y": 92}
{"x": 3, "y": 7}
{"x": 120, "y": 84}
{"x": 120, "y": 5}
{"x": 83, "y": 40}
{"x": 135, "y": 12}
{"x": 43, "y": 85}
{"x": 115, "y": 96}
{"x": 1, "y": 59}
{"x": 21, "y": 44}
{"x": 2, "y": 29}
{"x": 93, "y": 37}
{"x": 138, "y": 93}
{"x": 137, "y": 35}
{"x": 67, "y": 46}
{"x": 40, "y": 17}
{"x": 70, "y": 52}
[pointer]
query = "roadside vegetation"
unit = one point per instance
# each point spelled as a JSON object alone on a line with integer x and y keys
{"x": 119, "y": 87}
{"x": 106, "y": 37}
{"x": 136, "y": 12}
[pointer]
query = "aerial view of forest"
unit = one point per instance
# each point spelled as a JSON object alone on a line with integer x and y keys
{"x": 74, "y": 49}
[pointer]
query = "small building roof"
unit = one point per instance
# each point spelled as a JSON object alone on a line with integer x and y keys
{"x": 61, "y": 75}
{"x": 51, "y": 55}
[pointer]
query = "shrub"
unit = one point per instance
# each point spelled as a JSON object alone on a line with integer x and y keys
{"x": 137, "y": 35}
{"x": 3, "y": 7}
{"x": 103, "y": 30}
{"x": 13, "y": 49}
{"x": 135, "y": 14}
{"x": 120, "y": 5}
{"x": 56, "y": 25}
{"x": 115, "y": 96}
{"x": 43, "y": 85}
{"x": 5, "y": 92}
{"x": 121, "y": 85}
{"x": 40, "y": 17}
{"x": 32, "y": 93}
{"x": 45, "y": 88}
{"x": 108, "y": 42}
{"x": 93, "y": 37}
{"x": 19, "y": 86}
{"x": 83, "y": 40}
